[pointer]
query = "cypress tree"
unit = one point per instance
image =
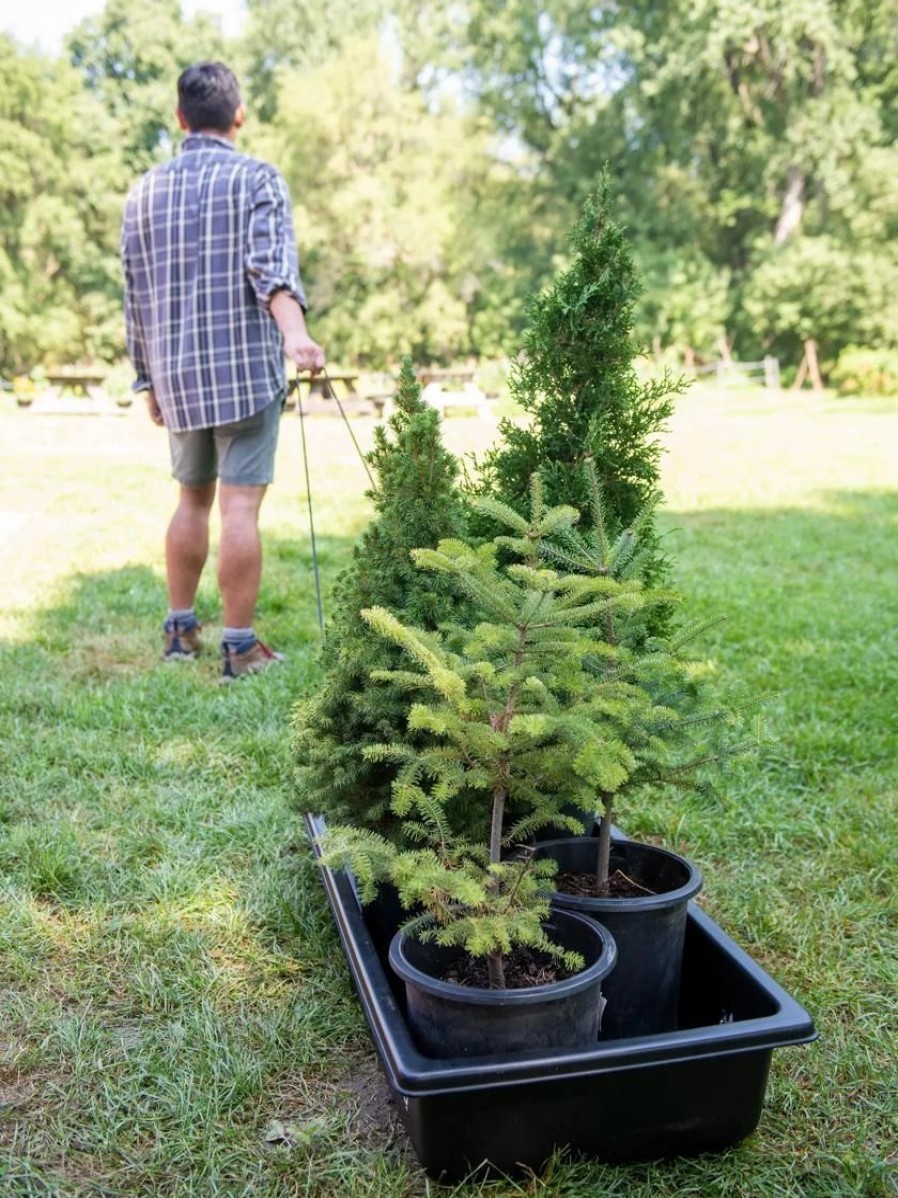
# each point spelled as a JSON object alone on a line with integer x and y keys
{"x": 577, "y": 380}
{"x": 416, "y": 505}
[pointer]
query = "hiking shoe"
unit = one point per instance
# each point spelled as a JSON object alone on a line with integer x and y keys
{"x": 182, "y": 641}
{"x": 249, "y": 657}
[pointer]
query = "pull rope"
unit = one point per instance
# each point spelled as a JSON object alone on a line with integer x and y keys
{"x": 294, "y": 386}
{"x": 333, "y": 395}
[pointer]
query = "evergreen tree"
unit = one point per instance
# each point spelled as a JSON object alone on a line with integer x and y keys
{"x": 516, "y": 721}
{"x": 416, "y": 504}
{"x": 577, "y": 380}
{"x": 683, "y": 725}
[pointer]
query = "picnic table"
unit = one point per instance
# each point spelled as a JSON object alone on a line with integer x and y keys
{"x": 72, "y": 380}
{"x": 452, "y": 388}
{"x": 74, "y": 389}
{"x": 320, "y": 394}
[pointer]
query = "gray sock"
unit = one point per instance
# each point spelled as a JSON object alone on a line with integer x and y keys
{"x": 237, "y": 636}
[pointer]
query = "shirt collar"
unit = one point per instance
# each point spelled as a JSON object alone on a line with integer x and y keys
{"x": 201, "y": 141}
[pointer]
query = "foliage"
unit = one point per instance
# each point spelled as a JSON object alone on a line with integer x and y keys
{"x": 437, "y": 152}
{"x": 866, "y": 372}
{"x": 577, "y": 381}
{"x": 304, "y": 41}
{"x": 684, "y": 726}
{"x": 725, "y": 127}
{"x": 517, "y": 716}
{"x": 816, "y": 287}
{"x": 383, "y": 184}
{"x": 684, "y": 302}
{"x": 61, "y": 185}
{"x": 416, "y": 504}
{"x": 131, "y": 59}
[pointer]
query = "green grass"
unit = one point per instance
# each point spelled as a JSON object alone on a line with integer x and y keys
{"x": 175, "y": 1014}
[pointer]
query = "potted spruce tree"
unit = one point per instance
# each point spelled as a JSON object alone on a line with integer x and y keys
{"x": 640, "y": 891}
{"x": 672, "y": 727}
{"x": 521, "y": 726}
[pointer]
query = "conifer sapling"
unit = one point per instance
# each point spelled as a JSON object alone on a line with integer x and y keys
{"x": 516, "y": 717}
{"x": 416, "y": 504}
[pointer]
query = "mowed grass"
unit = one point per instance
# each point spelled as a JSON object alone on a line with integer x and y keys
{"x": 175, "y": 1014}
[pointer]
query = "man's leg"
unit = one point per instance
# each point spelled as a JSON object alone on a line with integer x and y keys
{"x": 246, "y": 453}
{"x": 239, "y": 553}
{"x": 187, "y": 544}
{"x": 239, "y": 578}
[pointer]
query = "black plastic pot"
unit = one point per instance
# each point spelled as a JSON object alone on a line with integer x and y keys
{"x": 696, "y": 1089}
{"x": 649, "y": 931}
{"x": 384, "y": 915}
{"x": 451, "y": 1020}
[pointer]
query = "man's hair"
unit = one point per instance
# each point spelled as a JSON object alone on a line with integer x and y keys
{"x": 208, "y": 96}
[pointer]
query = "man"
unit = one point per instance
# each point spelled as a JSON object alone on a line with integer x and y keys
{"x": 213, "y": 305}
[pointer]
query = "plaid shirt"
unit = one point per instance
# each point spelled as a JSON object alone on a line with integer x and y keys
{"x": 207, "y": 239}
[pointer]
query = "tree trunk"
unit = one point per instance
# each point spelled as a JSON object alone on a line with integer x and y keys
{"x": 496, "y": 826}
{"x": 495, "y": 969}
{"x": 810, "y": 353}
{"x": 603, "y": 855}
{"x": 801, "y": 374}
{"x": 809, "y": 368}
{"x": 726, "y": 353}
{"x": 792, "y": 209}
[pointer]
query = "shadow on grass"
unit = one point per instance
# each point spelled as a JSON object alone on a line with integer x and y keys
{"x": 809, "y": 600}
{"x": 101, "y": 734}
{"x": 116, "y": 615}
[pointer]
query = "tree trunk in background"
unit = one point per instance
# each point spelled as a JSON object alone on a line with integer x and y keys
{"x": 809, "y": 368}
{"x": 810, "y": 353}
{"x": 793, "y": 206}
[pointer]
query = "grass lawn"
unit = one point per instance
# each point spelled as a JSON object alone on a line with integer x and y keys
{"x": 175, "y": 1015}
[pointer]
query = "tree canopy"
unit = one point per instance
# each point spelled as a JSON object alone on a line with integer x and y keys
{"x": 438, "y": 153}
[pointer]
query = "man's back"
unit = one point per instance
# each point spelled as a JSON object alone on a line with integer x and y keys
{"x": 207, "y": 240}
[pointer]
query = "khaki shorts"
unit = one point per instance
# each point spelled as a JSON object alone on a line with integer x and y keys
{"x": 239, "y": 454}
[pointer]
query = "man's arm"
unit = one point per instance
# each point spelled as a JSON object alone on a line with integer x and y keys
{"x": 135, "y": 338}
{"x": 272, "y": 266}
{"x": 299, "y": 347}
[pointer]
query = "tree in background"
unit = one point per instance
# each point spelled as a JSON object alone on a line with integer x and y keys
{"x": 130, "y": 57}
{"x": 61, "y": 184}
{"x": 439, "y": 151}
{"x": 409, "y": 232}
{"x": 730, "y": 129}
{"x": 306, "y": 38}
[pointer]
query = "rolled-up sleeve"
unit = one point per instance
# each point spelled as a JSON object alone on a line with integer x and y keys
{"x": 272, "y": 262}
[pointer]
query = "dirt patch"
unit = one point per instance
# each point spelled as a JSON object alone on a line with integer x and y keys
{"x": 356, "y": 1100}
{"x": 619, "y": 885}
{"x": 523, "y": 967}
{"x": 372, "y": 1112}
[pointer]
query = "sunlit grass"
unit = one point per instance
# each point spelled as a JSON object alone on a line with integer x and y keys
{"x": 175, "y": 1015}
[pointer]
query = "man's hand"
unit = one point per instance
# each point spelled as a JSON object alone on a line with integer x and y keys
{"x": 154, "y": 410}
{"x": 304, "y": 353}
